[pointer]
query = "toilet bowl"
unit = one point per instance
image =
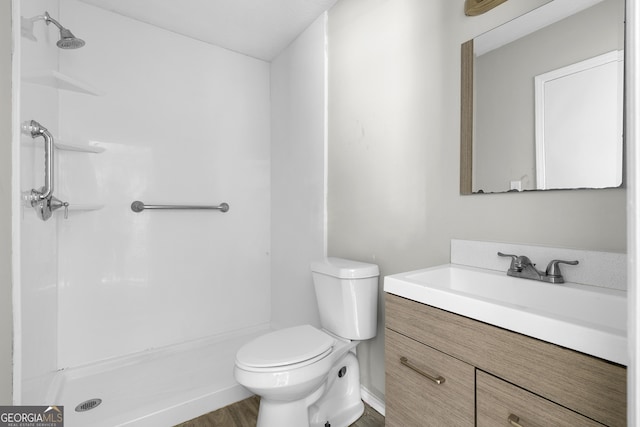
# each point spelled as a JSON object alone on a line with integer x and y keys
{"x": 307, "y": 376}
{"x": 294, "y": 375}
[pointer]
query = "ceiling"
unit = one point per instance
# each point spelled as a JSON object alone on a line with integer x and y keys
{"x": 528, "y": 23}
{"x": 258, "y": 28}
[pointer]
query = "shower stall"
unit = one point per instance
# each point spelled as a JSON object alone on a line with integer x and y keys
{"x": 133, "y": 317}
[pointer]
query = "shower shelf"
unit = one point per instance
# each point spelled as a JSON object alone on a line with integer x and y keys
{"x": 62, "y": 81}
{"x": 81, "y": 148}
{"x": 61, "y": 145}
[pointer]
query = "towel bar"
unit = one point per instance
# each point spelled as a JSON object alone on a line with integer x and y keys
{"x": 139, "y": 206}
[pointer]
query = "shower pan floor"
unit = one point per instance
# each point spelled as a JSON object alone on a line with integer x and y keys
{"x": 160, "y": 387}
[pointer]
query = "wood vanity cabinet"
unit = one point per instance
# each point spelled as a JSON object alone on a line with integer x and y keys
{"x": 492, "y": 376}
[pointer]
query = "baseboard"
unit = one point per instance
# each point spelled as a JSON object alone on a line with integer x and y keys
{"x": 372, "y": 400}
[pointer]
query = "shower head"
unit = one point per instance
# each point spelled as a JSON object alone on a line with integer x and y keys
{"x": 67, "y": 39}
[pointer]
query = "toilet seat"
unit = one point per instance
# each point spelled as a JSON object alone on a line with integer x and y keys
{"x": 291, "y": 346}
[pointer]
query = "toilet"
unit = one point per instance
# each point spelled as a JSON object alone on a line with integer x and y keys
{"x": 306, "y": 376}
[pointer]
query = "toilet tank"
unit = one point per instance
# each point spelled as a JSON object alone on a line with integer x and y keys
{"x": 347, "y": 293}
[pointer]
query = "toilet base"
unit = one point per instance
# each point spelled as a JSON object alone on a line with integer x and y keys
{"x": 342, "y": 404}
{"x": 345, "y": 418}
{"x": 297, "y": 414}
{"x": 337, "y": 403}
{"x": 279, "y": 414}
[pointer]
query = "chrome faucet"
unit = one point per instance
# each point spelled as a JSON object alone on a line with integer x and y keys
{"x": 521, "y": 266}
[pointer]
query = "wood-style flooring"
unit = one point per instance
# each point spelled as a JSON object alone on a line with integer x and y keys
{"x": 245, "y": 414}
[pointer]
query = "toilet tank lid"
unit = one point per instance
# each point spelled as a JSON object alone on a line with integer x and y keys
{"x": 345, "y": 268}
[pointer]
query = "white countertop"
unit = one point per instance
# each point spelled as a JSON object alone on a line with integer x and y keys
{"x": 588, "y": 319}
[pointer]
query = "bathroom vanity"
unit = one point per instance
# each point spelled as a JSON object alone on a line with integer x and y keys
{"x": 467, "y": 346}
{"x": 491, "y": 375}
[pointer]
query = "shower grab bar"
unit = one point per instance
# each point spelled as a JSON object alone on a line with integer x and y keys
{"x": 35, "y": 129}
{"x": 43, "y": 200}
{"x": 139, "y": 206}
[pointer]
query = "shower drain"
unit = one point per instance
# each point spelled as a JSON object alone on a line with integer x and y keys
{"x": 88, "y": 405}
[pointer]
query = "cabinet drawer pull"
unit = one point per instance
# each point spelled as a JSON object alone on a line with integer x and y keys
{"x": 438, "y": 380}
{"x": 514, "y": 420}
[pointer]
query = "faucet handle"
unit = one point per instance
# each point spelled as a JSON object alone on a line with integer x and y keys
{"x": 514, "y": 260}
{"x": 56, "y": 203}
{"x": 513, "y": 257}
{"x": 553, "y": 269}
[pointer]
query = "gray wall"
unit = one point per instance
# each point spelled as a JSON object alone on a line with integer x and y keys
{"x": 393, "y": 162}
{"x": 6, "y": 322}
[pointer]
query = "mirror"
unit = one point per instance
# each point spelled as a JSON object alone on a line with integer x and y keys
{"x": 542, "y": 100}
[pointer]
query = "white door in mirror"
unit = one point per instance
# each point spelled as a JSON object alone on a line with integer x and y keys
{"x": 578, "y": 116}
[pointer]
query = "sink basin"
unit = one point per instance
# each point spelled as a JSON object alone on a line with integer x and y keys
{"x": 589, "y": 319}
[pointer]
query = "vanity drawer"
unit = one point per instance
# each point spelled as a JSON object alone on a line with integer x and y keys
{"x": 499, "y": 400}
{"x": 414, "y": 400}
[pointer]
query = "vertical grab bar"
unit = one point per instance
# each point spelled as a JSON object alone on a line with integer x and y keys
{"x": 35, "y": 129}
{"x": 42, "y": 200}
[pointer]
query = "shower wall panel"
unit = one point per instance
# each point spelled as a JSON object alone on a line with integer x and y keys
{"x": 181, "y": 122}
{"x": 36, "y": 346}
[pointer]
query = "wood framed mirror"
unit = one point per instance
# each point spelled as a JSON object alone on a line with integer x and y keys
{"x": 478, "y": 7}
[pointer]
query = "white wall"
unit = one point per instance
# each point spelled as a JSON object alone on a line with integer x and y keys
{"x": 297, "y": 175}
{"x": 38, "y": 240}
{"x": 6, "y": 310}
{"x": 393, "y": 183}
{"x": 182, "y": 122}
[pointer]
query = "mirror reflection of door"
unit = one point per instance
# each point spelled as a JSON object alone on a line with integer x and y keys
{"x": 579, "y": 124}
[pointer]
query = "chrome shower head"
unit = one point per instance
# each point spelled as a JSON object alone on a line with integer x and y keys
{"x": 67, "y": 39}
